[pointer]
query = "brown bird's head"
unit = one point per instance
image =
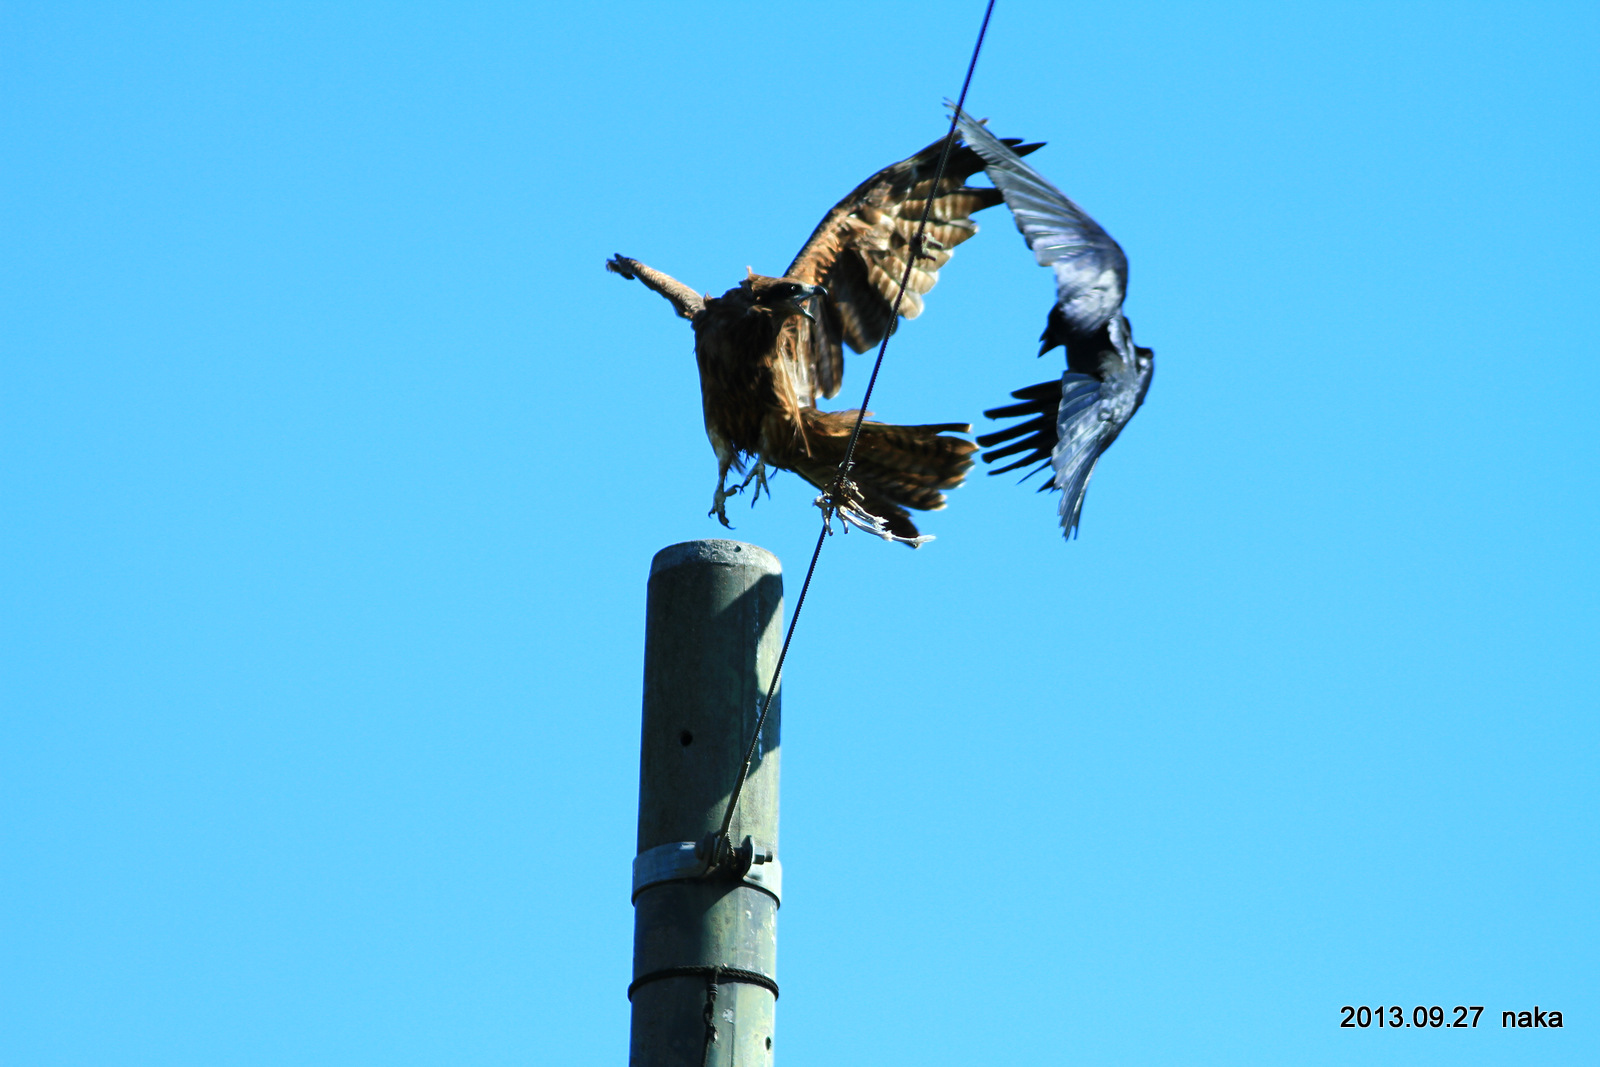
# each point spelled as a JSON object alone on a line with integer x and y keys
{"x": 783, "y": 296}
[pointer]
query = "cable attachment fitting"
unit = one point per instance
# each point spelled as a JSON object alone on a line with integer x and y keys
{"x": 842, "y": 497}
{"x": 722, "y": 858}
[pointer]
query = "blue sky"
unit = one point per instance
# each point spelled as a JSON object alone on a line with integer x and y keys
{"x": 332, "y": 464}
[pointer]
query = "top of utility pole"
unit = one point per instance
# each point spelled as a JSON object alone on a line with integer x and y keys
{"x": 715, "y": 550}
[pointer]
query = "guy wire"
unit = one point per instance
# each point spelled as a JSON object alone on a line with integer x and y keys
{"x": 720, "y": 843}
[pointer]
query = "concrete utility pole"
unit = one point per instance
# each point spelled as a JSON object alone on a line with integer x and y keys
{"x": 705, "y": 947}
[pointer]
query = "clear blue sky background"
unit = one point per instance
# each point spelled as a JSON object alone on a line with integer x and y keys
{"x": 333, "y": 464}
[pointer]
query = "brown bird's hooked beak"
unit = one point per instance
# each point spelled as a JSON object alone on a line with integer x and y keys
{"x": 810, "y": 293}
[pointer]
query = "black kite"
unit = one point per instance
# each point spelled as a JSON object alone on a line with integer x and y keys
{"x": 770, "y": 347}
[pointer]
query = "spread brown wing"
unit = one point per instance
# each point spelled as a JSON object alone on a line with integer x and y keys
{"x": 859, "y": 251}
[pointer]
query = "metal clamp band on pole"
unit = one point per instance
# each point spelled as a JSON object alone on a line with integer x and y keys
{"x": 681, "y": 861}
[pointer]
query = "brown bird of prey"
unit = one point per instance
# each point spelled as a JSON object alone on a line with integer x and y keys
{"x": 768, "y": 348}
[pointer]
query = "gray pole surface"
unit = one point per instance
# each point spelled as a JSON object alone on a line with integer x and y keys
{"x": 705, "y": 949}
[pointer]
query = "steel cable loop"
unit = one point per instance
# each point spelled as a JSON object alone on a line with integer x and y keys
{"x": 710, "y": 1015}
{"x": 724, "y": 975}
{"x": 720, "y": 847}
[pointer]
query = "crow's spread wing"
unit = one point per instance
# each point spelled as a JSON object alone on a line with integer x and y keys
{"x": 1091, "y": 414}
{"x": 1091, "y": 269}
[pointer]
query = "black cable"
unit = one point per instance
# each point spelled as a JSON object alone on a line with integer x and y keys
{"x": 719, "y": 843}
{"x": 720, "y": 846}
{"x": 916, "y": 253}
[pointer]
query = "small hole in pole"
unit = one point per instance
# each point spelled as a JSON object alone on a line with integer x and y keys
{"x": 686, "y": 739}
{"x": 769, "y": 1044}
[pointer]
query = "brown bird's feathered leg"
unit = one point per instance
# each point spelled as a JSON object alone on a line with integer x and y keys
{"x": 687, "y": 302}
{"x": 727, "y": 457}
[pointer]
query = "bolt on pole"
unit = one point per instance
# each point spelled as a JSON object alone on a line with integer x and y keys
{"x": 705, "y": 946}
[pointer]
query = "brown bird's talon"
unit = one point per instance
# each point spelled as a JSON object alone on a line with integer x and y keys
{"x": 758, "y": 474}
{"x": 825, "y": 504}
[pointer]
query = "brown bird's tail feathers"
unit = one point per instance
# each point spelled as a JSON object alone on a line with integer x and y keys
{"x": 895, "y": 468}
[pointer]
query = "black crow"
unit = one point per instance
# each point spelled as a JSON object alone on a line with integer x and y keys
{"x": 1071, "y": 422}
